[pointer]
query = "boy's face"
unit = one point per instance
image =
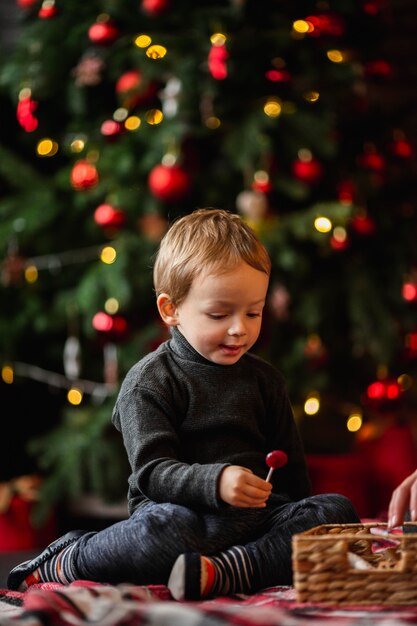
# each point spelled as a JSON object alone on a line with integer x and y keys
{"x": 222, "y": 313}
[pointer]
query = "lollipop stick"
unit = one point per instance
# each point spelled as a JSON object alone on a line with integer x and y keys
{"x": 268, "y": 478}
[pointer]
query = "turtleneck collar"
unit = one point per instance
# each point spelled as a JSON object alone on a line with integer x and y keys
{"x": 184, "y": 349}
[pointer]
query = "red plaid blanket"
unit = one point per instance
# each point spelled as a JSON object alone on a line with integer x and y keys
{"x": 84, "y": 602}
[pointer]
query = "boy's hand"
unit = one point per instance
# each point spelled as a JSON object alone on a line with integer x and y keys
{"x": 239, "y": 486}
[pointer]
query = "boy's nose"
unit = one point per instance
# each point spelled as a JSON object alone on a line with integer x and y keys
{"x": 237, "y": 328}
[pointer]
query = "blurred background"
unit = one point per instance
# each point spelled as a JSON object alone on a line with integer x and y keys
{"x": 119, "y": 116}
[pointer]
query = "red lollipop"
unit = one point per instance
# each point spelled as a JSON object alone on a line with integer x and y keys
{"x": 275, "y": 460}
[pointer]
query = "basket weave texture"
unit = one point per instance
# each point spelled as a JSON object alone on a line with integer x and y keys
{"x": 323, "y": 570}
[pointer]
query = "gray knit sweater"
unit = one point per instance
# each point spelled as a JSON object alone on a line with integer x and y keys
{"x": 184, "y": 419}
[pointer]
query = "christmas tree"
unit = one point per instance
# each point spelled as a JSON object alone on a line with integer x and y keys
{"x": 123, "y": 116}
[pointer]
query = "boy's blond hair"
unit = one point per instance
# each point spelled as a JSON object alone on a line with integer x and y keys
{"x": 212, "y": 240}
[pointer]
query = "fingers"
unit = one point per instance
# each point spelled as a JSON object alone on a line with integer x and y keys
{"x": 403, "y": 497}
{"x": 240, "y": 487}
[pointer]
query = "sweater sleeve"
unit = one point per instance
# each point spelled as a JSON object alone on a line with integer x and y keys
{"x": 150, "y": 434}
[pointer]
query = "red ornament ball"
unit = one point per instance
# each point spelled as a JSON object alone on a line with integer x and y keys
{"x": 372, "y": 160}
{"x": 103, "y": 33}
{"x": 107, "y": 216}
{"x": 47, "y": 10}
{"x": 133, "y": 90}
{"x": 307, "y": 171}
{"x": 169, "y": 182}
{"x": 129, "y": 81}
{"x": 84, "y": 175}
{"x": 111, "y": 129}
{"x": 363, "y": 225}
{"x": 114, "y": 326}
{"x": 155, "y": 7}
{"x": 402, "y": 149}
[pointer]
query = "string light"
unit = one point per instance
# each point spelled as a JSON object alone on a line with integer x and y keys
{"x": 47, "y": 147}
{"x": 335, "y": 56}
{"x": 273, "y": 107}
{"x": 111, "y": 306}
{"x": 311, "y": 96}
{"x": 7, "y": 374}
{"x": 301, "y": 27}
{"x": 218, "y": 39}
{"x": 322, "y": 224}
{"x": 120, "y": 114}
{"x": 312, "y": 405}
{"x": 143, "y": 41}
{"x": 108, "y": 255}
{"x": 156, "y": 52}
{"x": 340, "y": 234}
{"x": 154, "y": 117}
{"x": 75, "y": 396}
{"x": 31, "y": 274}
{"x": 77, "y": 145}
{"x": 212, "y": 122}
{"x": 354, "y": 422}
{"x": 133, "y": 122}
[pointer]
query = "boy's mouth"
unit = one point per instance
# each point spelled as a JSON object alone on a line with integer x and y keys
{"x": 232, "y": 350}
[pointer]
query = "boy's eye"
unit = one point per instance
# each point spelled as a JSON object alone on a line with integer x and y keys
{"x": 254, "y": 314}
{"x": 216, "y": 316}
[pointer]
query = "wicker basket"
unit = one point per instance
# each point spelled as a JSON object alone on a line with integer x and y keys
{"x": 323, "y": 570}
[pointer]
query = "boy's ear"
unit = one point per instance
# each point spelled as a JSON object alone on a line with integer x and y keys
{"x": 167, "y": 309}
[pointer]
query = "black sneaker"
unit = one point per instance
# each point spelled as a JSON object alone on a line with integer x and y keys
{"x": 18, "y": 575}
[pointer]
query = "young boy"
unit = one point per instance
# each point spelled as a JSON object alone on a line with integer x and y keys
{"x": 198, "y": 417}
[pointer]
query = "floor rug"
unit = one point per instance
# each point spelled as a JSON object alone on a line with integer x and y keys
{"x": 84, "y": 602}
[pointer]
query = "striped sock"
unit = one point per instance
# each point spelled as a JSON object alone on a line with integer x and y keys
{"x": 194, "y": 576}
{"x": 232, "y": 572}
{"x": 58, "y": 568}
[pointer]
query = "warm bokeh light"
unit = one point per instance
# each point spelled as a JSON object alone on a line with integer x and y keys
{"x": 47, "y": 147}
{"x": 77, "y": 145}
{"x": 312, "y": 405}
{"x": 405, "y": 381}
{"x": 31, "y": 274}
{"x": 133, "y": 122}
{"x": 322, "y": 224}
{"x": 111, "y": 306}
{"x": 218, "y": 39}
{"x": 212, "y": 122}
{"x": 354, "y": 422}
{"x": 340, "y": 234}
{"x": 335, "y": 56}
{"x": 311, "y": 96}
{"x": 143, "y": 41}
{"x": 301, "y": 26}
{"x": 74, "y": 396}
{"x": 7, "y": 374}
{"x": 154, "y": 117}
{"x": 156, "y": 52}
{"x": 108, "y": 255}
{"x": 120, "y": 114}
{"x": 272, "y": 107}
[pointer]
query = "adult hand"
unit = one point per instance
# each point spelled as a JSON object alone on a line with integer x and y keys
{"x": 403, "y": 497}
{"x": 239, "y": 486}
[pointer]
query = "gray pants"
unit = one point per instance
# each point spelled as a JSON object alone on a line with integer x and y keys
{"x": 143, "y": 548}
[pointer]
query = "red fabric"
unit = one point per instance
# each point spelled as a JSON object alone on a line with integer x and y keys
{"x": 389, "y": 458}
{"x": 369, "y": 475}
{"x": 342, "y": 473}
{"x": 17, "y": 531}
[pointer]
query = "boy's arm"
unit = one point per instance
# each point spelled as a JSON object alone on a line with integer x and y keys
{"x": 150, "y": 435}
